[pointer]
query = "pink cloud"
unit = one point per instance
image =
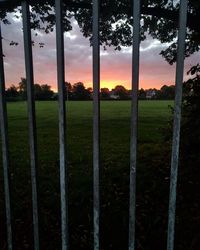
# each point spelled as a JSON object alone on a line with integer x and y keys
{"x": 115, "y": 65}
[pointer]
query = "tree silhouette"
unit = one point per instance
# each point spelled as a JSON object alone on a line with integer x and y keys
{"x": 191, "y": 115}
{"x": 121, "y": 91}
{"x": 68, "y": 90}
{"x": 166, "y": 92}
{"x": 22, "y": 86}
{"x": 105, "y": 93}
{"x": 43, "y": 92}
{"x": 12, "y": 92}
{"x": 80, "y": 92}
{"x": 141, "y": 94}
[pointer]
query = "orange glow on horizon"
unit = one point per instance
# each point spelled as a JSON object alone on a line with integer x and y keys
{"x": 108, "y": 84}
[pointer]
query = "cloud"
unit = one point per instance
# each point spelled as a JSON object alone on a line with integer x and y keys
{"x": 115, "y": 65}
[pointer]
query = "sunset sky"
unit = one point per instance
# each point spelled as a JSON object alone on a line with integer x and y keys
{"x": 115, "y": 65}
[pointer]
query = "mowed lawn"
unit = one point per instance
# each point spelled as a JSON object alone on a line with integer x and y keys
{"x": 153, "y": 160}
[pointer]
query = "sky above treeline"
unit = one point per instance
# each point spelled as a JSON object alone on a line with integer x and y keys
{"x": 115, "y": 65}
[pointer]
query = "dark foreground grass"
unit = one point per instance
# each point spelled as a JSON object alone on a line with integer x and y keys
{"x": 152, "y": 175}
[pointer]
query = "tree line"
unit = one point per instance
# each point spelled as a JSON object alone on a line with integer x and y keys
{"x": 78, "y": 91}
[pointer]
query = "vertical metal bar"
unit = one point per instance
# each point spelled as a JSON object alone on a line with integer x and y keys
{"x": 134, "y": 121}
{"x": 31, "y": 115}
{"x": 62, "y": 123}
{"x": 96, "y": 121}
{"x": 177, "y": 122}
{"x": 4, "y": 136}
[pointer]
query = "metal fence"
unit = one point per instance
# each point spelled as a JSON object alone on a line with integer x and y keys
{"x": 96, "y": 130}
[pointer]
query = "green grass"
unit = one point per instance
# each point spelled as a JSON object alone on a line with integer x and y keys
{"x": 115, "y": 139}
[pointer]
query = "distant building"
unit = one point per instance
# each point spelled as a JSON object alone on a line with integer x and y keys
{"x": 150, "y": 93}
{"x": 113, "y": 95}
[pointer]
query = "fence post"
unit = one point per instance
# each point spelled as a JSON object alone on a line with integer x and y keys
{"x": 31, "y": 116}
{"x": 62, "y": 123}
{"x": 134, "y": 121}
{"x": 96, "y": 121}
{"x": 5, "y": 151}
{"x": 177, "y": 122}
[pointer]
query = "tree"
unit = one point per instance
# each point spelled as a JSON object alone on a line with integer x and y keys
{"x": 166, "y": 93}
{"x": 12, "y": 93}
{"x": 159, "y": 20}
{"x": 47, "y": 93}
{"x": 22, "y": 87}
{"x": 80, "y": 92}
{"x": 191, "y": 116}
{"x": 189, "y": 170}
{"x": 43, "y": 92}
{"x": 68, "y": 91}
{"x": 105, "y": 94}
{"x": 141, "y": 94}
{"x": 37, "y": 91}
{"x": 90, "y": 90}
{"x": 121, "y": 91}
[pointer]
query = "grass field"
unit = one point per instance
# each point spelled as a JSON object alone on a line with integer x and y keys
{"x": 153, "y": 160}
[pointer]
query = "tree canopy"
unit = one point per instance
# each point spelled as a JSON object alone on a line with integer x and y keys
{"x": 19, "y": 92}
{"x": 159, "y": 19}
{"x": 191, "y": 115}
